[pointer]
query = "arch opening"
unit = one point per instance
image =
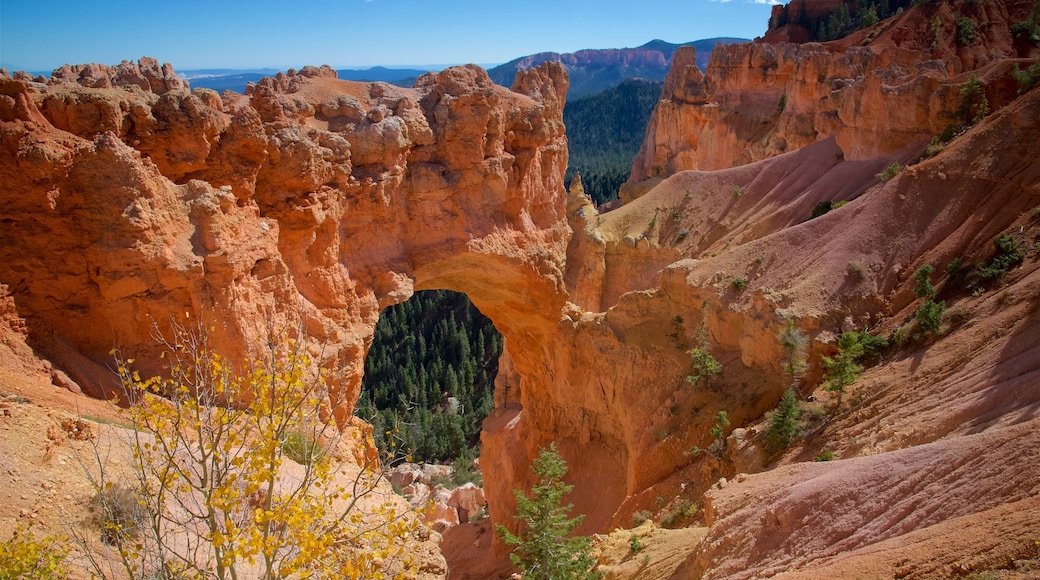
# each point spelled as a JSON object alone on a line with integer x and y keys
{"x": 429, "y": 378}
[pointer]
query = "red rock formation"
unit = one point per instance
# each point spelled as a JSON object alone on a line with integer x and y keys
{"x": 881, "y": 92}
{"x": 318, "y": 201}
{"x": 154, "y": 206}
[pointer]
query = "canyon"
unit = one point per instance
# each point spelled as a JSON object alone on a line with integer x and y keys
{"x": 315, "y": 202}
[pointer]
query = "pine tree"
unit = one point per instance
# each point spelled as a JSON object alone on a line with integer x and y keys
{"x": 783, "y": 425}
{"x": 542, "y": 549}
{"x": 844, "y": 368}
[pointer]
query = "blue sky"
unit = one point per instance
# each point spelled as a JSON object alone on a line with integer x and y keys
{"x": 41, "y": 35}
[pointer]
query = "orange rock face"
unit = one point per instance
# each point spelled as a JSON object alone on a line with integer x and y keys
{"x": 882, "y": 92}
{"x": 125, "y": 207}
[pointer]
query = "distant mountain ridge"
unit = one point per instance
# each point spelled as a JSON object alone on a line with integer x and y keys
{"x": 236, "y": 80}
{"x": 595, "y": 70}
{"x": 591, "y": 71}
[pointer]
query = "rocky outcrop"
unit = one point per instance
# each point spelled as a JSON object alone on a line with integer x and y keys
{"x": 141, "y": 206}
{"x": 146, "y": 74}
{"x": 882, "y": 92}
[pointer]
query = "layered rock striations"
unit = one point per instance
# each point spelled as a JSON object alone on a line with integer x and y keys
{"x": 884, "y": 91}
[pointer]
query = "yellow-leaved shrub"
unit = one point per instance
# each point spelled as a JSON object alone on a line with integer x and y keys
{"x": 225, "y": 491}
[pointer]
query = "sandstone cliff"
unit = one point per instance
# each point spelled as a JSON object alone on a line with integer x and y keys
{"x": 884, "y": 91}
{"x": 124, "y": 206}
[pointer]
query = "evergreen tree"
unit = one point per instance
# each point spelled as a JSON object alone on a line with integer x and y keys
{"x": 543, "y": 549}
{"x": 844, "y": 368}
{"x": 783, "y": 425}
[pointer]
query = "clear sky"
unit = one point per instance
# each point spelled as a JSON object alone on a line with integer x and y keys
{"x": 40, "y": 35}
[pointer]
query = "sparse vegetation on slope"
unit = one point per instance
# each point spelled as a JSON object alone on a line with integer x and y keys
{"x": 837, "y": 22}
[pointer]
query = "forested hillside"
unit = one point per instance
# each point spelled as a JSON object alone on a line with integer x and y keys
{"x": 605, "y": 131}
{"x": 430, "y": 373}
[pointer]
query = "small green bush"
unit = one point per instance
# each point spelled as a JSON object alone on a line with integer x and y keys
{"x": 955, "y": 269}
{"x": 950, "y": 132}
{"x": 682, "y": 511}
{"x": 302, "y": 448}
{"x": 934, "y": 147}
{"x": 782, "y": 104}
{"x": 872, "y": 344}
{"x": 857, "y": 270}
{"x": 867, "y": 16}
{"x": 924, "y": 288}
{"x": 464, "y": 472}
{"x": 974, "y": 105}
{"x": 721, "y": 422}
{"x": 635, "y": 545}
{"x": 1028, "y": 29}
{"x": 929, "y": 316}
{"x": 967, "y": 30}
{"x": 739, "y": 283}
{"x": 1028, "y": 78}
{"x": 736, "y": 192}
{"x": 891, "y": 171}
{"x": 794, "y": 343}
{"x": 1009, "y": 253}
{"x": 824, "y": 456}
{"x": 704, "y": 365}
{"x": 821, "y": 208}
{"x": 843, "y": 370}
